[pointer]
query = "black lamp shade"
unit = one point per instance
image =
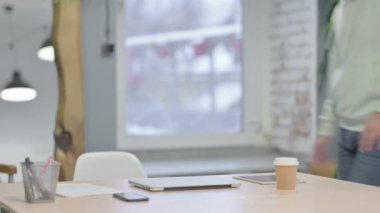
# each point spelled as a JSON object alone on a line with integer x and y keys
{"x": 16, "y": 81}
{"x": 18, "y": 90}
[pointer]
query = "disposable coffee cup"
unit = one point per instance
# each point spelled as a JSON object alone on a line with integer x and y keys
{"x": 286, "y": 172}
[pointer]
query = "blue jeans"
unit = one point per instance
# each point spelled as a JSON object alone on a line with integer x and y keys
{"x": 355, "y": 166}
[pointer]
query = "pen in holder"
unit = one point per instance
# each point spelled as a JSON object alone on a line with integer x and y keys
{"x": 40, "y": 180}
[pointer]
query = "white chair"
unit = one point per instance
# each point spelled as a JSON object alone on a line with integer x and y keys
{"x": 107, "y": 166}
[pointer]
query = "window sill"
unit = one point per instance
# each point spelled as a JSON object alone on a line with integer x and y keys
{"x": 211, "y": 161}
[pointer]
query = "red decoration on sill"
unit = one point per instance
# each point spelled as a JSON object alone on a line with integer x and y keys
{"x": 163, "y": 51}
{"x": 200, "y": 49}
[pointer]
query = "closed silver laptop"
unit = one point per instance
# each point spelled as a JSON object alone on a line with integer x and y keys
{"x": 189, "y": 182}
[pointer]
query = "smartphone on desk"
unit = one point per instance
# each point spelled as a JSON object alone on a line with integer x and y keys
{"x": 130, "y": 196}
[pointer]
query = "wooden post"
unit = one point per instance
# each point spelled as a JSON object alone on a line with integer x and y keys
{"x": 69, "y": 129}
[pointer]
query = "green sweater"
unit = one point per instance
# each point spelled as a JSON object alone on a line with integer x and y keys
{"x": 354, "y": 66}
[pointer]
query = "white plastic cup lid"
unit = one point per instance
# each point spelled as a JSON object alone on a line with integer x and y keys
{"x": 285, "y": 161}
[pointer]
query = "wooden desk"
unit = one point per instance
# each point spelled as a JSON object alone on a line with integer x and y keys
{"x": 319, "y": 194}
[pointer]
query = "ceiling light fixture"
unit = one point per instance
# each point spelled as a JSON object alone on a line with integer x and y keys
{"x": 46, "y": 51}
{"x": 16, "y": 90}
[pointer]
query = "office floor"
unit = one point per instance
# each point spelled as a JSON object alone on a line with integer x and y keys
{"x": 212, "y": 161}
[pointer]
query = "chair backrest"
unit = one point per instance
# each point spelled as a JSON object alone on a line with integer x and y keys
{"x": 10, "y": 170}
{"x": 107, "y": 166}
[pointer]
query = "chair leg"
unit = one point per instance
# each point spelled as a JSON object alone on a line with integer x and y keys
{"x": 10, "y": 170}
{"x": 10, "y": 178}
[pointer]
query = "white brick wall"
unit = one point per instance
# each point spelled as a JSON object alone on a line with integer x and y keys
{"x": 292, "y": 57}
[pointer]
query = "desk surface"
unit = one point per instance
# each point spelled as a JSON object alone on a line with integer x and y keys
{"x": 318, "y": 194}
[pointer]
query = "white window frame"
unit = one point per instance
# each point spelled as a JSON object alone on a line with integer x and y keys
{"x": 252, "y": 90}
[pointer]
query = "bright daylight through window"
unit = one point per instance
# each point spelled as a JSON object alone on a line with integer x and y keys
{"x": 184, "y": 67}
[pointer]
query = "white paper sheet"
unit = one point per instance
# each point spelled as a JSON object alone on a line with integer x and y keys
{"x": 82, "y": 189}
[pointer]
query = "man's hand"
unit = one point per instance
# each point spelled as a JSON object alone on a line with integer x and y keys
{"x": 320, "y": 148}
{"x": 370, "y": 137}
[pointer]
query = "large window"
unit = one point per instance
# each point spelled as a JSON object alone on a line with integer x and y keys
{"x": 183, "y": 72}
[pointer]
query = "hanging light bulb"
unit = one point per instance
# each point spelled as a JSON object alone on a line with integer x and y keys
{"x": 16, "y": 90}
{"x": 46, "y": 52}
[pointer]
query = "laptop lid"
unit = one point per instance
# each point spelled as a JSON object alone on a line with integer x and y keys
{"x": 189, "y": 182}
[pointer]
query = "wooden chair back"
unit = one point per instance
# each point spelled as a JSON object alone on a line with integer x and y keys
{"x": 10, "y": 170}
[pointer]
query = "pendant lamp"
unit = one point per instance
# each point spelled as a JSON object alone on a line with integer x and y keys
{"x": 46, "y": 51}
{"x": 16, "y": 90}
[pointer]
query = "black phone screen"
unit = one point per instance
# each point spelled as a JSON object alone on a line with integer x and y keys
{"x": 130, "y": 196}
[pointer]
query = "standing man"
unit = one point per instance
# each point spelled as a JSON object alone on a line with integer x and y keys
{"x": 353, "y": 100}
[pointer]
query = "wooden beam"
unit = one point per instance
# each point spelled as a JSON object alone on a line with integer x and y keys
{"x": 69, "y": 129}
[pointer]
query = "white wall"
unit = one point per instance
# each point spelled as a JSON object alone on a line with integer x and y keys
{"x": 99, "y": 78}
{"x": 293, "y": 56}
{"x": 256, "y": 56}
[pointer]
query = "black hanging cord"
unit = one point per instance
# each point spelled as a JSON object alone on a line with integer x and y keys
{"x": 108, "y": 30}
{"x": 9, "y": 9}
{"x": 107, "y": 48}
